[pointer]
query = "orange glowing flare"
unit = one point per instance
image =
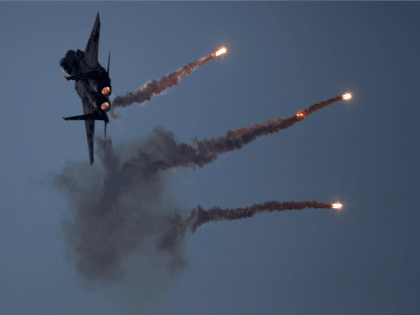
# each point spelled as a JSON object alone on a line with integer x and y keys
{"x": 221, "y": 51}
{"x": 105, "y": 106}
{"x": 300, "y": 114}
{"x": 337, "y": 206}
{"x": 347, "y": 96}
{"x": 106, "y": 90}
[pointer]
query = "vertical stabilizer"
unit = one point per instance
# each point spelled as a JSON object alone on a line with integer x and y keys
{"x": 92, "y": 47}
{"x": 109, "y": 58}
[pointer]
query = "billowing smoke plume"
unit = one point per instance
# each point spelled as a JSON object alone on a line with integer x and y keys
{"x": 157, "y": 87}
{"x": 119, "y": 213}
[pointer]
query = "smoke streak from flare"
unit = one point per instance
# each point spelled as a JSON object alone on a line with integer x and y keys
{"x": 206, "y": 151}
{"x": 199, "y": 216}
{"x": 235, "y": 140}
{"x": 156, "y": 87}
{"x": 177, "y": 227}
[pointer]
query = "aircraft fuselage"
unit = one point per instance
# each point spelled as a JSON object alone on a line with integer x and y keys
{"x": 97, "y": 78}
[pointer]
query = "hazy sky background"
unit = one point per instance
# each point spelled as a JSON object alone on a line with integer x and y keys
{"x": 283, "y": 57}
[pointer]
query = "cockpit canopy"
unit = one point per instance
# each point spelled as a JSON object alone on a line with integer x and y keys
{"x": 105, "y": 106}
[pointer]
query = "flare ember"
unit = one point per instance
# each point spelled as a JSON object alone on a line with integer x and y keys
{"x": 347, "y": 96}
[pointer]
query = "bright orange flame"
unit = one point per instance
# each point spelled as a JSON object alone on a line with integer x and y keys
{"x": 105, "y": 106}
{"x": 221, "y": 51}
{"x": 347, "y": 96}
{"x": 300, "y": 114}
{"x": 337, "y": 206}
{"x": 106, "y": 90}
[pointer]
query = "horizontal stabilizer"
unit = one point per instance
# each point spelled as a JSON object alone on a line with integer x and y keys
{"x": 94, "y": 116}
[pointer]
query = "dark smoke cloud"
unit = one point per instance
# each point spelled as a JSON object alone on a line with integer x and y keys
{"x": 156, "y": 87}
{"x": 121, "y": 210}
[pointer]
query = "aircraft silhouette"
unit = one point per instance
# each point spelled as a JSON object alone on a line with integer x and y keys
{"x": 93, "y": 84}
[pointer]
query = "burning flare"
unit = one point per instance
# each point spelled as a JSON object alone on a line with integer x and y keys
{"x": 221, "y": 51}
{"x": 300, "y": 114}
{"x": 105, "y": 106}
{"x": 347, "y": 96}
{"x": 106, "y": 91}
{"x": 337, "y": 206}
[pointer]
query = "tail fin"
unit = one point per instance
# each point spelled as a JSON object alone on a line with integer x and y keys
{"x": 109, "y": 58}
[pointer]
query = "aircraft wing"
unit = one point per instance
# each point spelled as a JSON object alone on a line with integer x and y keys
{"x": 92, "y": 47}
{"x": 88, "y": 108}
{"x": 90, "y": 128}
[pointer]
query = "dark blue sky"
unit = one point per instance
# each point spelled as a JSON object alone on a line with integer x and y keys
{"x": 283, "y": 57}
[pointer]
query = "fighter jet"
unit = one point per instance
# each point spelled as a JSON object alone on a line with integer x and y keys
{"x": 93, "y": 84}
